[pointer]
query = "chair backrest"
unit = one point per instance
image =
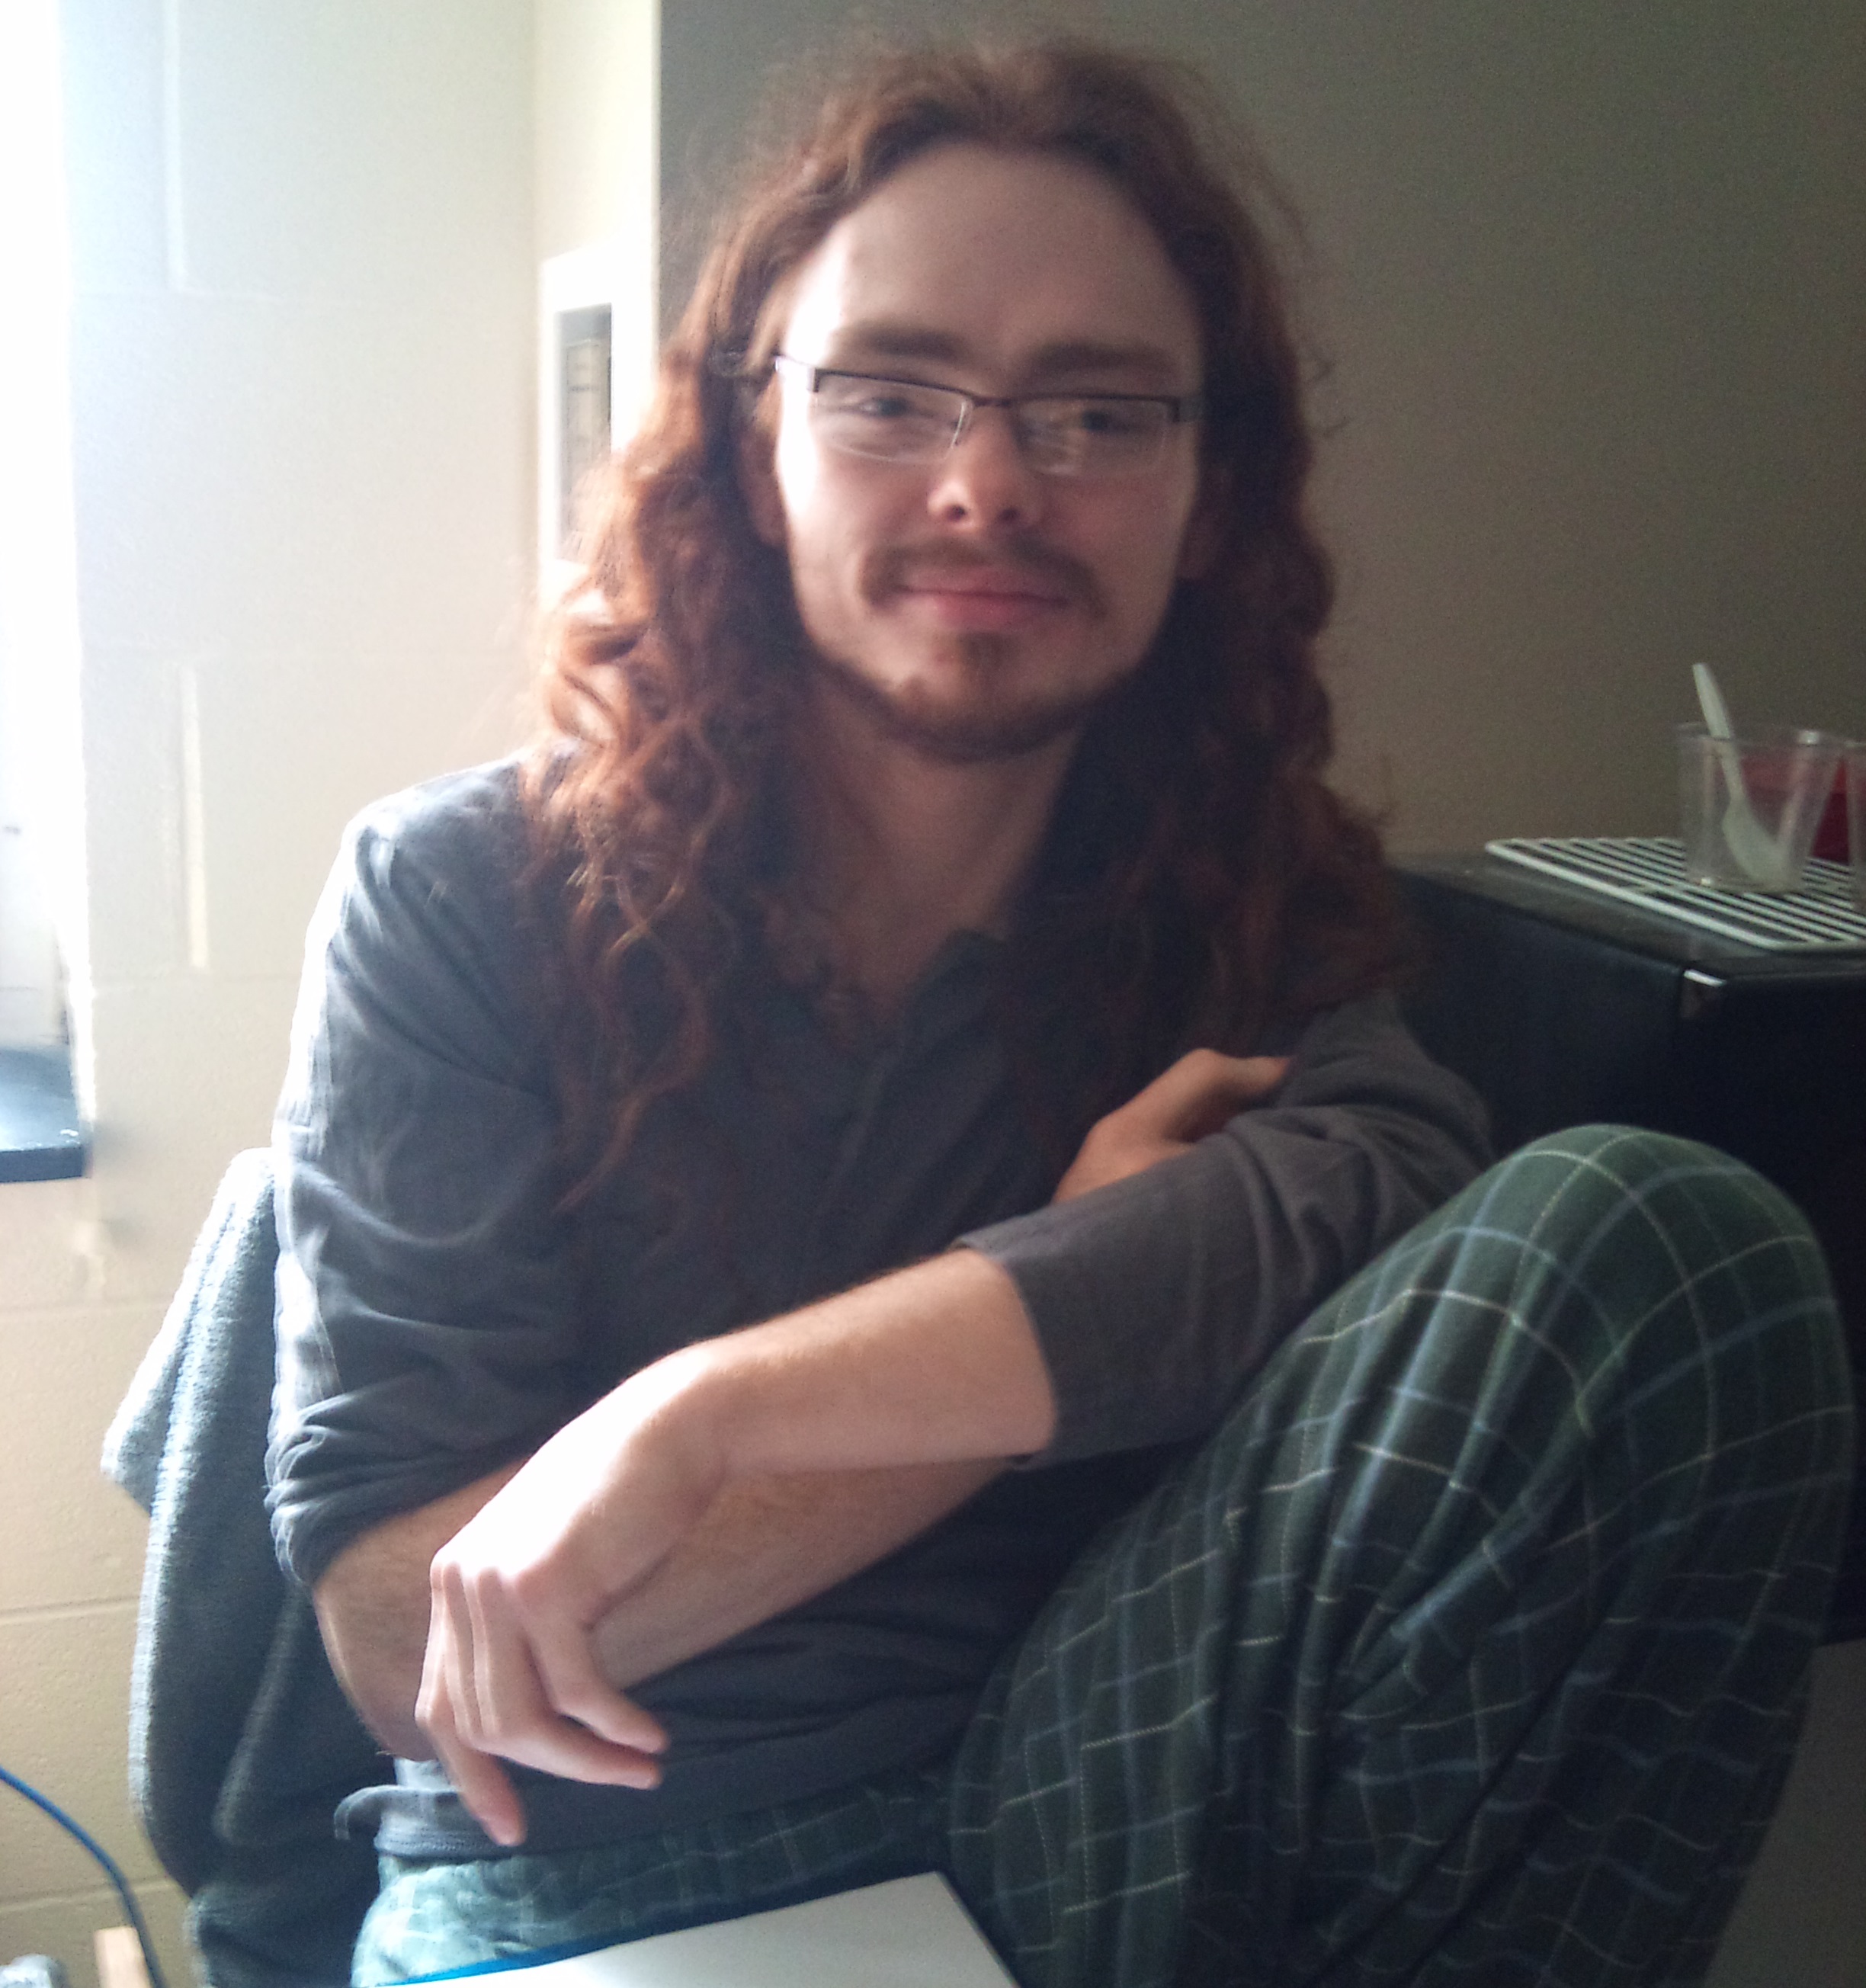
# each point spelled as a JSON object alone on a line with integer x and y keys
{"x": 241, "y": 1742}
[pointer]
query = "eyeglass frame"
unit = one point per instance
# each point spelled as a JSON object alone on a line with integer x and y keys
{"x": 1182, "y": 409}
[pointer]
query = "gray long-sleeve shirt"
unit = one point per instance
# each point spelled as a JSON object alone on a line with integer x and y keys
{"x": 439, "y": 1316}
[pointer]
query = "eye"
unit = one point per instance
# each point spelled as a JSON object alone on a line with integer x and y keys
{"x": 883, "y": 402}
{"x": 883, "y": 406}
{"x": 1116, "y": 419}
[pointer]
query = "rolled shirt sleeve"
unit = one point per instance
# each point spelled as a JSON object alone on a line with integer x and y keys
{"x": 428, "y": 1320}
{"x": 434, "y": 1320}
{"x": 1155, "y": 1298}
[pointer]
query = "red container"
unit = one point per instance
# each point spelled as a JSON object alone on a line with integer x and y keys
{"x": 1831, "y": 837}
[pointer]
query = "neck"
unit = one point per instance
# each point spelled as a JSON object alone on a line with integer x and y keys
{"x": 901, "y": 850}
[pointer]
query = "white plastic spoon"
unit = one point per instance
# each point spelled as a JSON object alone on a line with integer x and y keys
{"x": 1759, "y": 856}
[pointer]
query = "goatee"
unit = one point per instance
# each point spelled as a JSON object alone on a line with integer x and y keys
{"x": 980, "y": 721}
{"x": 978, "y": 726}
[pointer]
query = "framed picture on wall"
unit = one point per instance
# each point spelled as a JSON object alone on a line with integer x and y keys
{"x": 577, "y": 400}
{"x": 584, "y": 359}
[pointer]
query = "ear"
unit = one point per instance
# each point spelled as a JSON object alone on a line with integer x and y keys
{"x": 758, "y": 484}
{"x": 1204, "y": 529}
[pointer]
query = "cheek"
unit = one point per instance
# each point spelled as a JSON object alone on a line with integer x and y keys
{"x": 1144, "y": 549}
{"x": 791, "y": 484}
{"x": 823, "y": 549}
{"x": 833, "y": 512}
{"x": 793, "y": 465}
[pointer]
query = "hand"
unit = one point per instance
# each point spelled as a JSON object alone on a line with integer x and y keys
{"x": 510, "y": 1669}
{"x": 1195, "y": 1096}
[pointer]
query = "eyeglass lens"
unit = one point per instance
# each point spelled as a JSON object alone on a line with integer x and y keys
{"x": 900, "y": 420}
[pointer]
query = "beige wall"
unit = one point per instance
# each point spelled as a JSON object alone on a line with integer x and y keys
{"x": 1590, "y": 282}
{"x": 302, "y": 385}
{"x": 1594, "y": 278}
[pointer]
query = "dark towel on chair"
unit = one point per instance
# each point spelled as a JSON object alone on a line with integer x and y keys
{"x": 241, "y": 1744}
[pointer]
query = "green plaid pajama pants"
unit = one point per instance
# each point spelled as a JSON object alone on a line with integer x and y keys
{"x": 1470, "y": 1650}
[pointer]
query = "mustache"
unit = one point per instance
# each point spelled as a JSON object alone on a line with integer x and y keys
{"x": 889, "y": 569}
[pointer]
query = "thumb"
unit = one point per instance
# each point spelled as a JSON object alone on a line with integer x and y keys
{"x": 1198, "y": 1093}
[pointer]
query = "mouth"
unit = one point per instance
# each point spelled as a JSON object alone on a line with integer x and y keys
{"x": 982, "y": 595}
{"x": 981, "y": 602}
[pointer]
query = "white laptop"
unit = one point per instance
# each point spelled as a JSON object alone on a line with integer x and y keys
{"x": 909, "y": 1932}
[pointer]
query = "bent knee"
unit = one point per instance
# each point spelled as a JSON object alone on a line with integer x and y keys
{"x": 1657, "y": 1225}
{"x": 1667, "y": 1178}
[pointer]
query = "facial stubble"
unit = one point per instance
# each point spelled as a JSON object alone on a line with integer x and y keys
{"x": 983, "y": 723}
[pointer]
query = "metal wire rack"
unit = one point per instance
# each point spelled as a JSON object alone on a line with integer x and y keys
{"x": 1649, "y": 871}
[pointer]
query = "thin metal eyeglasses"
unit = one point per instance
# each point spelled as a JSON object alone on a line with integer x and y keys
{"x": 1061, "y": 434}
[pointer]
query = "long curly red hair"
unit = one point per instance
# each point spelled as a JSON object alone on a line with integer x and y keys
{"x": 1199, "y": 881}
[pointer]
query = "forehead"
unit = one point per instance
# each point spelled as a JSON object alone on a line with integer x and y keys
{"x": 1020, "y": 265}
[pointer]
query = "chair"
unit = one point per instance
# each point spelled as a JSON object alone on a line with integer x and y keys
{"x": 241, "y": 1742}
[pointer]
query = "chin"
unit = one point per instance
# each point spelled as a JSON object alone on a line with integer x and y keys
{"x": 975, "y": 720}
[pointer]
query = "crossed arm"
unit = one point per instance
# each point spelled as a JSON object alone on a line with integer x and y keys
{"x": 710, "y": 1491}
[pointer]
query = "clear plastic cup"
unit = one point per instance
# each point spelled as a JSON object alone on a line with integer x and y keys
{"x": 1856, "y": 820}
{"x": 1748, "y": 806}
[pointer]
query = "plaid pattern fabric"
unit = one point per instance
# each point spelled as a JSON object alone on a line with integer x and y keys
{"x": 1471, "y": 1650}
{"x": 432, "y": 1916}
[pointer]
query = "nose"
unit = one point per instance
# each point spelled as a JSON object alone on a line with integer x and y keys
{"x": 986, "y": 482}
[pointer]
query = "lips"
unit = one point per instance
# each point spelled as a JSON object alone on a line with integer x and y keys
{"x": 979, "y": 603}
{"x": 997, "y": 589}
{"x": 1007, "y": 586}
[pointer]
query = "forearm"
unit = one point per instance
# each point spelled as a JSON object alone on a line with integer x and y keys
{"x": 764, "y": 1545}
{"x": 372, "y": 1609}
{"x": 767, "y": 1545}
{"x": 934, "y": 1364}
{"x": 1155, "y": 1298}
{"x": 890, "y": 1403}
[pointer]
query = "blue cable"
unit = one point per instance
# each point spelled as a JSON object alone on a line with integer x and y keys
{"x": 103, "y": 1856}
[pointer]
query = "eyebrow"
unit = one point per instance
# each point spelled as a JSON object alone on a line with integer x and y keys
{"x": 883, "y": 340}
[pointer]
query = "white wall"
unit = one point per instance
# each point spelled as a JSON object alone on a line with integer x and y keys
{"x": 597, "y": 192}
{"x": 38, "y": 633}
{"x": 598, "y": 126}
{"x": 301, "y": 388}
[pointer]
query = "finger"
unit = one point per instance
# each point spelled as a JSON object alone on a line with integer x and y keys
{"x": 539, "y": 1698}
{"x": 577, "y": 1689}
{"x": 570, "y": 1752}
{"x": 1243, "y": 1082}
{"x": 553, "y": 1744}
{"x": 484, "y": 1788}
{"x": 481, "y": 1783}
{"x": 448, "y": 1666}
{"x": 505, "y": 1698}
{"x": 480, "y": 1696}
{"x": 534, "y": 1662}
{"x": 1198, "y": 1093}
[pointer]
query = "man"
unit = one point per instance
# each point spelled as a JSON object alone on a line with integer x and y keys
{"x": 926, "y": 845}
